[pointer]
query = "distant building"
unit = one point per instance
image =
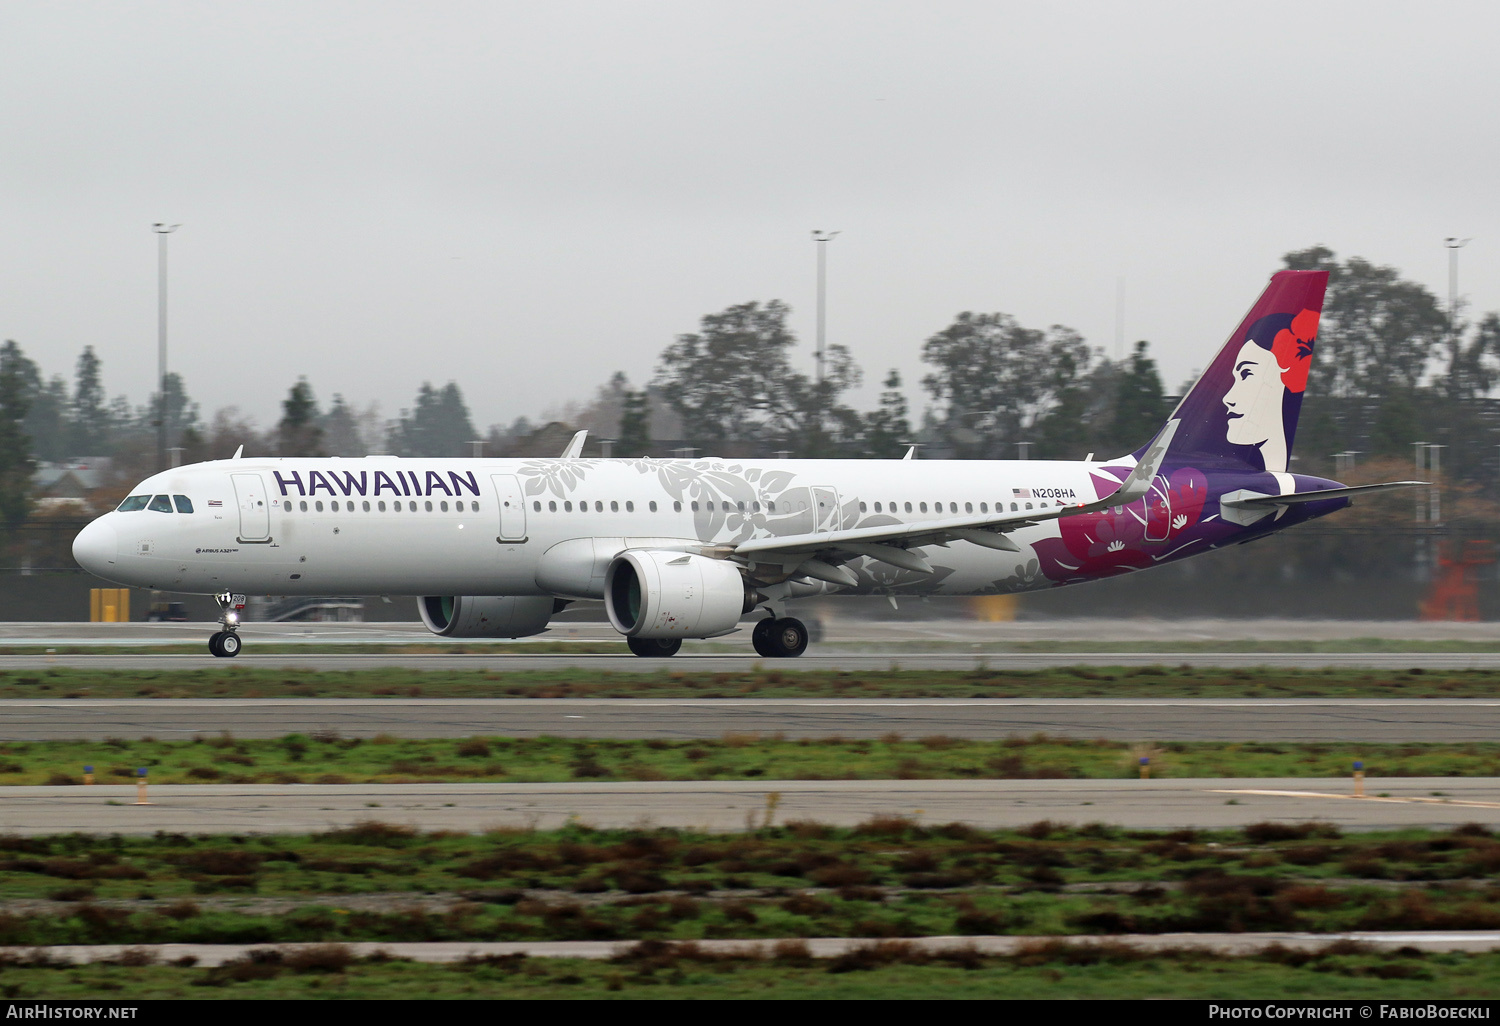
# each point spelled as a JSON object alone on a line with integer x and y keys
{"x": 71, "y": 483}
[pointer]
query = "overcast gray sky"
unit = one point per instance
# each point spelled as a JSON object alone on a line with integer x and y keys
{"x": 525, "y": 197}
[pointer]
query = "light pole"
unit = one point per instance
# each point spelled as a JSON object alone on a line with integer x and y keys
{"x": 162, "y": 231}
{"x": 822, "y": 238}
{"x": 1453, "y": 245}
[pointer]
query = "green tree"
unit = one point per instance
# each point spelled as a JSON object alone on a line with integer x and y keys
{"x": 1140, "y": 404}
{"x": 994, "y": 380}
{"x": 635, "y": 423}
{"x": 300, "y": 431}
{"x": 341, "y": 430}
{"x": 438, "y": 425}
{"x": 180, "y": 412}
{"x": 887, "y": 428}
{"x": 16, "y": 465}
{"x": 732, "y": 380}
{"x": 1378, "y": 335}
{"x": 90, "y": 410}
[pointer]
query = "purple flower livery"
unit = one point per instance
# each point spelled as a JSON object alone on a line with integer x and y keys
{"x": 1234, "y": 434}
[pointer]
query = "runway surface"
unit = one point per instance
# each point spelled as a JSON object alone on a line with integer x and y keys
{"x": 1122, "y": 719}
{"x": 833, "y": 629}
{"x": 825, "y": 660}
{"x": 1436, "y": 802}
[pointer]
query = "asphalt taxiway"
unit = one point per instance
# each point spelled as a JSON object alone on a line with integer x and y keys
{"x": 1437, "y": 802}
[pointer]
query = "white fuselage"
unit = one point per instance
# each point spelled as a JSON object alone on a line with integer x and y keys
{"x": 383, "y": 525}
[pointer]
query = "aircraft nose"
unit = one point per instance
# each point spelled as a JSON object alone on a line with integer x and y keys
{"x": 96, "y": 548}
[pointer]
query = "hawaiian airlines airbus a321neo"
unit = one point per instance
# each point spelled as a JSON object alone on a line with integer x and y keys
{"x": 687, "y": 548}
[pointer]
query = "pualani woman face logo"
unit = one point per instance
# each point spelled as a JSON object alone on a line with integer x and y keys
{"x": 1270, "y": 374}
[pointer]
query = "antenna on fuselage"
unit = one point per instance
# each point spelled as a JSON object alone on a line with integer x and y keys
{"x": 238, "y": 453}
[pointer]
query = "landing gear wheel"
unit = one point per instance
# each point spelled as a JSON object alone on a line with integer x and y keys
{"x": 761, "y": 638}
{"x": 213, "y": 643}
{"x": 788, "y": 637}
{"x": 654, "y": 647}
{"x": 229, "y": 644}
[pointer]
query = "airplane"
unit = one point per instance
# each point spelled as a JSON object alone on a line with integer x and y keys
{"x": 687, "y": 548}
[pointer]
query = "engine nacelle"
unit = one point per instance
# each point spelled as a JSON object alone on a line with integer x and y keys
{"x": 653, "y": 593}
{"x": 487, "y": 616}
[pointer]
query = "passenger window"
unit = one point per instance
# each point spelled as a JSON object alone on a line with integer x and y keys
{"x": 474, "y": 507}
{"x": 908, "y": 507}
{"x": 429, "y": 505}
{"x": 568, "y": 506}
{"x": 924, "y": 507}
{"x": 160, "y": 504}
{"x": 134, "y": 503}
{"x": 877, "y": 507}
{"x": 1028, "y": 505}
{"x": 652, "y": 505}
{"x": 302, "y": 505}
{"x": 695, "y": 507}
{"x": 442, "y": 506}
{"x": 677, "y": 507}
{"x": 318, "y": 505}
{"x": 984, "y": 507}
{"x": 614, "y": 507}
{"x": 630, "y": 506}
{"x": 380, "y": 505}
{"x": 366, "y": 505}
{"x": 598, "y": 506}
{"x": 770, "y": 507}
{"x": 184, "y": 504}
{"x": 968, "y": 507}
{"x": 862, "y": 508}
{"x": 1013, "y": 507}
{"x": 741, "y": 506}
{"x": 551, "y": 507}
{"x": 334, "y": 506}
{"x": 755, "y": 507}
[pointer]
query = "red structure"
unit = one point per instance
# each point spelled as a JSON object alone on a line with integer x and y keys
{"x": 1454, "y": 594}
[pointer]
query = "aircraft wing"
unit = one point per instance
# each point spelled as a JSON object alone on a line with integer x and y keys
{"x": 889, "y": 543}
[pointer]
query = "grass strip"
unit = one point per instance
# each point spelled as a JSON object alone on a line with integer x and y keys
{"x": 325, "y": 757}
{"x": 240, "y": 681}
{"x": 887, "y": 970}
{"x": 886, "y": 878}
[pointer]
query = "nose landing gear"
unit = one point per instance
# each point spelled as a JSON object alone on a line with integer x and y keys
{"x": 225, "y": 644}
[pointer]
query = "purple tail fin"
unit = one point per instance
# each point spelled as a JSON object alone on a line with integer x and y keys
{"x": 1242, "y": 413}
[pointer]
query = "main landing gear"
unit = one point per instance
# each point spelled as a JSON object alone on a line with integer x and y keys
{"x": 780, "y": 638}
{"x": 654, "y": 647}
{"x": 225, "y": 644}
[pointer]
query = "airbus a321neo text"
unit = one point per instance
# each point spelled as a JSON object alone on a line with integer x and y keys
{"x": 688, "y": 548}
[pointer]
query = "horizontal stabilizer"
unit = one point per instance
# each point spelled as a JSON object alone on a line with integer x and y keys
{"x": 1245, "y": 500}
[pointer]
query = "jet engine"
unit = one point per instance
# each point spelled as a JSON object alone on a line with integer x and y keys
{"x": 652, "y": 593}
{"x": 487, "y": 616}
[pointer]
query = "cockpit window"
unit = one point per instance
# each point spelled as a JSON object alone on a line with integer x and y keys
{"x": 134, "y": 503}
{"x": 160, "y": 504}
{"x": 184, "y": 504}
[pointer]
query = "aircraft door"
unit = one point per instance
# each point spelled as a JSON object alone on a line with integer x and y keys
{"x": 255, "y": 514}
{"x": 512, "y": 507}
{"x": 826, "y": 515}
